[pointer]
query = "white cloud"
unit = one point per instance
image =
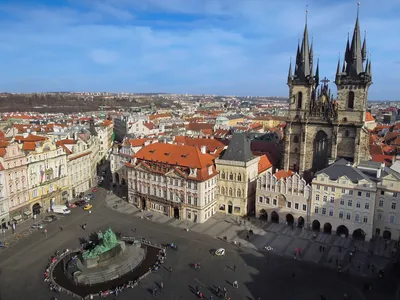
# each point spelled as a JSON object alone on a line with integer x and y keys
{"x": 104, "y": 57}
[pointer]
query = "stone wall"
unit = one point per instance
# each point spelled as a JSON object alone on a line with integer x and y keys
{"x": 357, "y": 114}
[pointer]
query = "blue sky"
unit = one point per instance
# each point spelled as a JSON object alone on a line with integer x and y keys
{"x": 235, "y": 47}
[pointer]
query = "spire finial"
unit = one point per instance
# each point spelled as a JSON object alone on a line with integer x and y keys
{"x": 306, "y": 13}
{"x": 358, "y": 8}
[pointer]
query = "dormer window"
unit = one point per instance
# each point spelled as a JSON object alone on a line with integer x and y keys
{"x": 210, "y": 170}
{"x": 166, "y": 153}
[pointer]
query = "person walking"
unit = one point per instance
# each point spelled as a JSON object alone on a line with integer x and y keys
{"x": 235, "y": 284}
{"x": 45, "y": 233}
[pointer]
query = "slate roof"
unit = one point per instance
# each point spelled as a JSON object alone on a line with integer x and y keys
{"x": 340, "y": 168}
{"x": 238, "y": 148}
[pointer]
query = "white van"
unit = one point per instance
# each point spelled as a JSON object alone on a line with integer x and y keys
{"x": 61, "y": 209}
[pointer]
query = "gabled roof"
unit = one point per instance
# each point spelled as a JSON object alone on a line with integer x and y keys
{"x": 283, "y": 174}
{"x": 264, "y": 164}
{"x": 29, "y": 138}
{"x": 340, "y": 168}
{"x": 369, "y": 117}
{"x": 238, "y": 149}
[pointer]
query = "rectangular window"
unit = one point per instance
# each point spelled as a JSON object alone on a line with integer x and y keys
{"x": 325, "y": 198}
{"x": 366, "y": 205}
{"x": 304, "y": 207}
{"x": 289, "y": 204}
{"x": 358, "y": 204}
{"x": 274, "y": 201}
{"x": 379, "y": 216}
{"x": 296, "y": 206}
{"x": 359, "y": 194}
{"x": 382, "y": 193}
{"x": 325, "y": 188}
{"x": 393, "y": 205}
{"x": 380, "y": 203}
{"x": 318, "y": 187}
{"x": 324, "y": 210}
{"x": 368, "y": 195}
{"x": 316, "y": 209}
{"x": 341, "y": 202}
{"x": 365, "y": 219}
{"x": 260, "y": 199}
{"x": 332, "y": 199}
{"x": 391, "y": 219}
{"x": 348, "y": 216}
{"x": 350, "y": 192}
{"x": 317, "y": 197}
{"x": 350, "y": 202}
{"x": 340, "y": 215}
{"x": 357, "y": 218}
{"x": 331, "y": 212}
{"x": 343, "y": 191}
{"x": 332, "y": 189}
{"x": 267, "y": 200}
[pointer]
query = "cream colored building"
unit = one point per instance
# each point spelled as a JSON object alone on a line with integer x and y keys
{"x": 283, "y": 196}
{"x": 238, "y": 170}
{"x": 47, "y": 175}
{"x": 80, "y": 167}
{"x": 387, "y": 204}
{"x": 343, "y": 200}
{"x": 105, "y": 133}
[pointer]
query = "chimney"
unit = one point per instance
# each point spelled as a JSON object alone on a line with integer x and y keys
{"x": 203, "y": 149}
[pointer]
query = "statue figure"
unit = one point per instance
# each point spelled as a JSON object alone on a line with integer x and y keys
{"x": 107, "y": 241}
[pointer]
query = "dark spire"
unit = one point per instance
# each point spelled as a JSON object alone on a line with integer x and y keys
{"x": 344, "y": 67}
{"x": 303, "y": 70}
{"x": 364, "y": 48}
{"x": 356, "y": 66}
{"x": 347, "y": 54}
{"x": 311, "y": 54}
{"x": 338, "y": 67}
{"x": 317, "y": 73}
{"x": 289, "y": 78}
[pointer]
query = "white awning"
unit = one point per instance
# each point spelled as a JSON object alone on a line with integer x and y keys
{"x": 17, "y": 218}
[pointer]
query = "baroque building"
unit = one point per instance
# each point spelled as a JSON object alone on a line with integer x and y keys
{"x": 175, "y": 180}
{"x": 321, "y": 129}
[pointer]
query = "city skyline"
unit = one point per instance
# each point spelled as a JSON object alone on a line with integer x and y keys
{"x": 240, "y": 48}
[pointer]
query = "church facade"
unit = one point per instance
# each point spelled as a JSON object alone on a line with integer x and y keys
{"x": 319, "y": 128}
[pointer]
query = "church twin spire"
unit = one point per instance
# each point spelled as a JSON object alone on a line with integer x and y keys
{"x": 355, "y": 55}
{"x": 353, "y": 65}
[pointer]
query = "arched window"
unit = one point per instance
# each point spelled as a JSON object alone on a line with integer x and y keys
{"x": 296, "y": 150}
{"x": 350, "y": 100}
{"x": 223, "y": 175}
{"x": 230, "y": 176}
{"x": 346, "y": 133}
{"x": 239, "y": 193}
{"x": 230, "y": 192}
{"x": 299, "y": 100}
{"x": 222, "y": 190}
{"x": 296, "y": 139}
{"x": 239, "y": 177}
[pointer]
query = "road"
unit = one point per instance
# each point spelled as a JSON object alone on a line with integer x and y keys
{"x": 22, "y": 266}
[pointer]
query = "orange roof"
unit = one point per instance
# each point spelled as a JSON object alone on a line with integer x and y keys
{"x": 62, "y": 144}
{"x": 139, "y": 142}
{"x": 29, "y": 146}
{"x": 3, "y": 143}
{"x": 29, "y": 138}
{"x": 2, "y": 135}
{"x": 150, "y": 125}
{"x": 186, "y": 156}
{"x": 159, "y": 116}
{"x": 283, "y": 174}
{"x": 387, "y": 159}
{"x": 211, "y": 144}
{"x": 107, "y": 123}
{"x": 263, "y": 164}
{"x": 2, "y": 152}
{"x": 369, "y": 117}
{"x": 194, "y": 126}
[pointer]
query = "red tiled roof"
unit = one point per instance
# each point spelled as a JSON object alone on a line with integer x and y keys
{"x": 139, "y": 142}
{"x": 29, "y": 146}
{"x": 283, "y": 174}
{"x": 150, "y": 125}
{"x": 263, "y": 164}
{"x": 387, "y": 159}
{"x": 29, "y": 138}
{"x": 186, "y": 156}
{"x": 194, "y": 126}
{"x": 159, "y": 116}
{"x": 369, "y": 117}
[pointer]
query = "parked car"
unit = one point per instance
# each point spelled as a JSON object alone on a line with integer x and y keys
{"x": 37, "y": 225}
{"x": 89, "y": 196}
{"x": 50, "y": 218}
{"x": 80, "y": 203}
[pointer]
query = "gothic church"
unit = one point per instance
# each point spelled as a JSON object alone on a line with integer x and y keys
{"x": 319, "y": 128}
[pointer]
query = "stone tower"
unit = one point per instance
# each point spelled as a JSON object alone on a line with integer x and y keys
{"x": 319, "y": 128}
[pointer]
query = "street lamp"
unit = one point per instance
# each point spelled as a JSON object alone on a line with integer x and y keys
{"x": 269, "y": 249}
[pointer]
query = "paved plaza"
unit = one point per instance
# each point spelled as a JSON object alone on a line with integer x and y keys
{"x": 273, "y": 275}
